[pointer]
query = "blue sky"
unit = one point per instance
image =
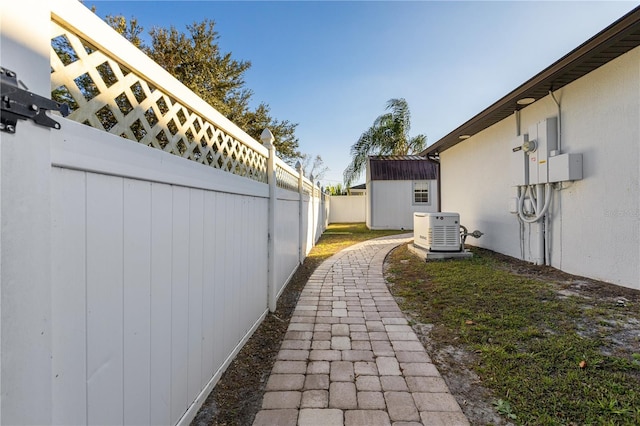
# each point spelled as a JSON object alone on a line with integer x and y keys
{"x": 331, "y": 66}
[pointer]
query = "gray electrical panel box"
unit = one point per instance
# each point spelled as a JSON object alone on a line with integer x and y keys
{"x": 519, "y": 164}
{"x": 545, "y": 136}
{"x": 565, "y": 167}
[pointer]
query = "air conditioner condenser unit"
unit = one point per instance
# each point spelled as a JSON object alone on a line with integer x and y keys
{"x": 437, "y": 232}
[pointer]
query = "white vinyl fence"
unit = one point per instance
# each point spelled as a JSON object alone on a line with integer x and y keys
{"x": 142, "y": 242}
{"x": 348, "y": 209}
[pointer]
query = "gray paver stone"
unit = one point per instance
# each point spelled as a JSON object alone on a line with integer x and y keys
{"x": 402, "y": 335}
{"x": 368, "y": 383}
{"x": 320, "y": 417}
{"x": 398, "y": 328}
{"x": 419, "y": 369}
{"x": 393, "y": 383}
{"x": 343, "y": 395}
{"x": 296, "y": 344}
{"x": 426, "y": 384}
{"x": 292, "y": 355}
{"x": 321, "y": 344}
{"x": 322, "y": 335}
{"x": 318, "y": 367}
{"x": 388, "y": 366}
{"x": 342, "y": 371}
{"x": 395, "y": 321}
{"x": 359, "y": 335}
{"x": 339, "y": 312}
{"x": 340, "y": 342}
{"x": 407, "y": 345}
{"x": 340, "y": 330}
{"x": 371, "y": 401}
{"x": 382, "y": 348}
{"x": 354, "y": 355}
{"x": 289, "y": 367}
{"x": 287, "y": 417}
{"x": 315, "y": 399}
{"x": 324, "y": 355}
{"x": 434, "y": 418}
{"x": 316, "y": 381}
{"x": 300, "y": 327}
{"x": 285, "y": 382}
{"x": 400, "y": 406}
{"x": 378, "y": 335}
{"x": 420, "y": 356}
{"x": 375, "y": 325}
{"x": 366, "y": 369}
{"x": 279, "y": 400}
{"x": 360, "y": 345}
{"x": 298, "y": 335}
{"x": 435, "y": 401}
{"x": 366, "y": 417}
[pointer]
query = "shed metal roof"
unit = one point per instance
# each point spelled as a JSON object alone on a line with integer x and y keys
{"x": 408, "y": 167}
{"x": 615, "y": 40}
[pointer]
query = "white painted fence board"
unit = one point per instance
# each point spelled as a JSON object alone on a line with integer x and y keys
{"x": 104, "y": 300}
{"x": 137, "y": 302}
{"x": 68, "y": 271}
{"x": 196, "y": 261}
{"x": 209, "y": 335}
{"x": 233, "y": 274}
{"x": 260, "y": 242}
{"x": 218, "y": 282}
{"x": 286, "y": 241}
{"x": 180, "y": 304}
{"x": 161, "y": 216}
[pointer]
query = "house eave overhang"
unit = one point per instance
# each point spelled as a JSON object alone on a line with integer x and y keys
{"x": 612, "y": 42}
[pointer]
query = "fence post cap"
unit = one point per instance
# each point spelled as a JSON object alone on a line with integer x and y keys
{"x": 266, "y": 137}
{"x": 298, "y": 165}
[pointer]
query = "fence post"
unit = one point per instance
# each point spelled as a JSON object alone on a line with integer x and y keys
{"x": 267, "y": 140}
{"x": 301, "y": 252}
{"x": 312, "y": 200}
{"x": 25, "y": 236}
{"x": 320, "y": 210}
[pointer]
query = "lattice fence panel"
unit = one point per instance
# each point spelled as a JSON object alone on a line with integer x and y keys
{"x": 307, "y": 188}
{"x": 104, "y": 94}
{"x": 286, "y": 180}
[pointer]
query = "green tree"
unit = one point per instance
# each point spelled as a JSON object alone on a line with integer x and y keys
{"x": 286, "y": 143}
{"x": 389, "y": 135}
{"x": 195, "y": 59}
{"x": 336, "y": 189}
{"x": 130, "y": 30}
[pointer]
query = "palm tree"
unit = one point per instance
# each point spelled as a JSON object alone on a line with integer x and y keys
{"x": 389, "y": 135}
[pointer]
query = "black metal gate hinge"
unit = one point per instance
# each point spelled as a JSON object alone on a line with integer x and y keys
{"x": 20, "y": 104}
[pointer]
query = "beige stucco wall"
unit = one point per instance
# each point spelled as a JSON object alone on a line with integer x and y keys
{"x": 595, "y": 222}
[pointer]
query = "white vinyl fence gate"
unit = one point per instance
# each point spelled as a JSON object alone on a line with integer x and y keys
{"x": 130, "y": 275}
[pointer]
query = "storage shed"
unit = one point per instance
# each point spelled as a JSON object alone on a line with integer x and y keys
{"x": 398, "y": 186}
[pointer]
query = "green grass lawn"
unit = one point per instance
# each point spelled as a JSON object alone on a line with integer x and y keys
{"x": 546, "y": 357}
{"x": 339, "y": 236}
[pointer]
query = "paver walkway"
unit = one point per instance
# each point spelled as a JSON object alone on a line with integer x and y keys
{"x": 349, "y": 356}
